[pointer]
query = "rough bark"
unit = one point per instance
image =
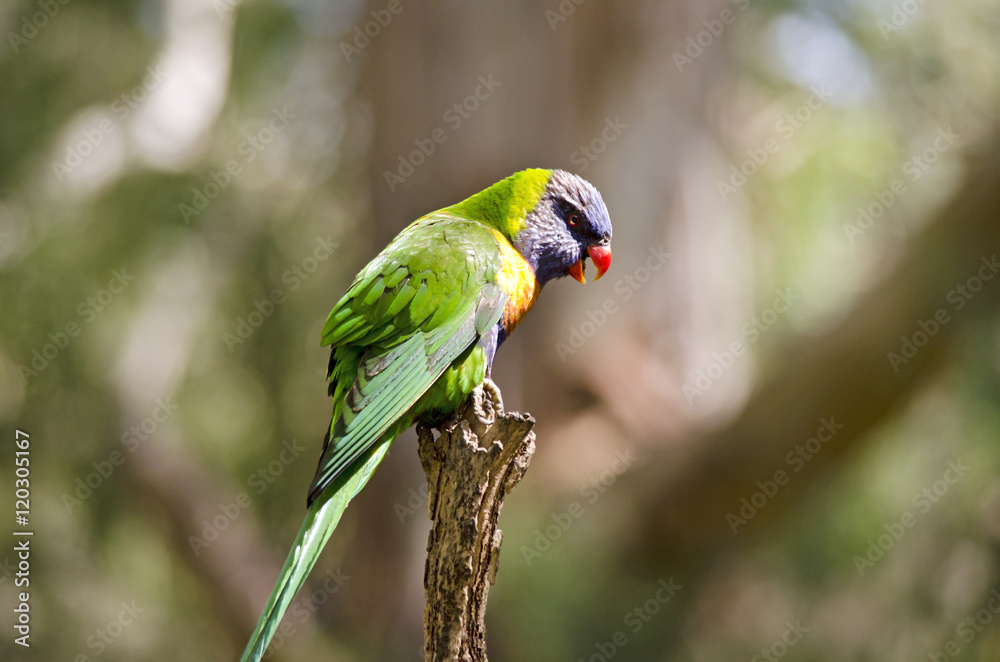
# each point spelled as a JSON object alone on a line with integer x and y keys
{"x": 473, "y": 464}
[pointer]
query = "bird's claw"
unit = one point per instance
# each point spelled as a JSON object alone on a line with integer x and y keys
{"x": 490, "y": 387}
{"x": 488, "y": 403}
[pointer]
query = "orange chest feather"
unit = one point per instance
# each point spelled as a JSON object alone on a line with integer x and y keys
{"x": 517, "y": 279}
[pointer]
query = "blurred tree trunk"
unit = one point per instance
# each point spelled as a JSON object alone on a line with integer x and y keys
{"x": 840, "y": 377}
{"x": 492, "y": 116}
{"x": 434, "y": 70}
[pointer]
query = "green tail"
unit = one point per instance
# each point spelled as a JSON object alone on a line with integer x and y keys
{"x": 321, "y": 520}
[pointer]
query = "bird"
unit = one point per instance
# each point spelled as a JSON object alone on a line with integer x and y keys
{"x": 418, "y": 329}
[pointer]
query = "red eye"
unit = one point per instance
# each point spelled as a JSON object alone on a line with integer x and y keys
{"x": 573, "y": 219}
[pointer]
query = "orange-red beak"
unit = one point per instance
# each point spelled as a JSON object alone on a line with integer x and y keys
{"x": 601, "y": 255}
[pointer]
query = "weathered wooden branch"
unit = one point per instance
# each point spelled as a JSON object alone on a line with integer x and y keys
{"x": 473, "y": 464}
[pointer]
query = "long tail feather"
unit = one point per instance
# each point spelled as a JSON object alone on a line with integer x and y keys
{"x": 321, "y": 519}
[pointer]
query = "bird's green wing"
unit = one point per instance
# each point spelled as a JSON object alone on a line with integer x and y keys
{"x": 410, "y": 313}
{"x": 418, "y": 306}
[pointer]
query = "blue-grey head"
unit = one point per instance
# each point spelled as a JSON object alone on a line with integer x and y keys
{"x": 568, "y": 224}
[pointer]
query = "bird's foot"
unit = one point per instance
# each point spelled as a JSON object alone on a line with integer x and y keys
{"x": 490, "y": 387}
{"x": 488, "y": 403}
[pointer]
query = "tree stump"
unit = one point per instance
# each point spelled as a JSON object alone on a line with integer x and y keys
{"x": 479, "y": 456}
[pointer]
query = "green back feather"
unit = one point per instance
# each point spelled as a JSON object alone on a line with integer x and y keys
{"x": 410, "y": 313}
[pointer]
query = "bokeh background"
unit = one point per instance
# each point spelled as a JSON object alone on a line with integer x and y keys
{"x": 771, "y": 430}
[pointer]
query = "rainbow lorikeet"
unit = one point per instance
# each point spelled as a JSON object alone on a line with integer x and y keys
{"x": 417, "y": 331}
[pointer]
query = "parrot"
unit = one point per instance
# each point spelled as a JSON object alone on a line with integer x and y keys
{"x": 419, "y": 327}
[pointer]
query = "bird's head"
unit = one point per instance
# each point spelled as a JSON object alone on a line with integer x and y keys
{"x": 568, "y": 224}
